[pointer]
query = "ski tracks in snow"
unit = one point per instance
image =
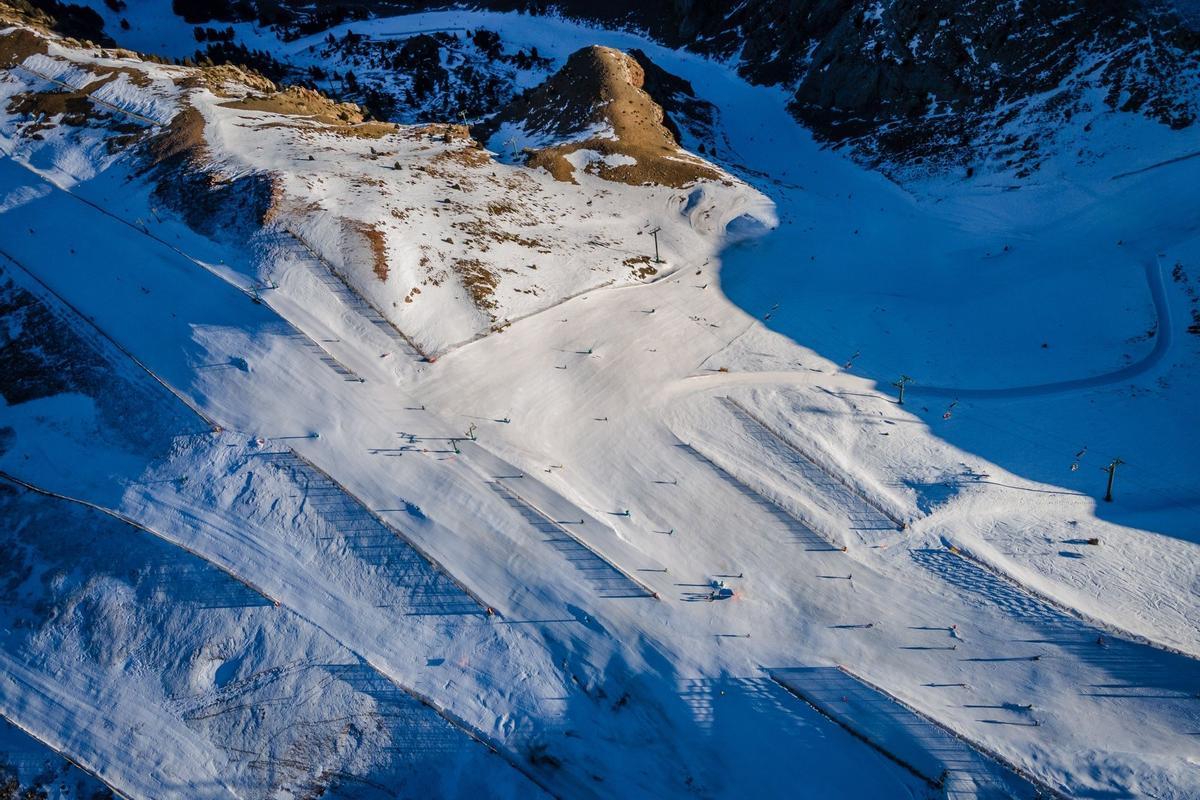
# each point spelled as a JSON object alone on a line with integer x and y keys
{"x": 39, "y": 718}
{"x": 294, "y": 332}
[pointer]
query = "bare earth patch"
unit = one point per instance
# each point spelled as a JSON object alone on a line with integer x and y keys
{"x": 74, "y": 107}
{"x": 378, "y": 244}
{"x": 344, "y": 119}
{"x": 220, "y": 79}
{"x": 641, "y": 267}
{"x": 478, "y": 280}
{"x": 183, "y": 137}
{"x": 18, "y": 45}
{"x": 185, "y": 182}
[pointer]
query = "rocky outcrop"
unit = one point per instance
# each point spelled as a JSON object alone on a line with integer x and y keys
{"x": 914, "y": 79}
{"x": 940, "y": 81}
{"x": 901, "y": 81}
{"x": 682, "y": 109}
{"x": 595, "y": 114}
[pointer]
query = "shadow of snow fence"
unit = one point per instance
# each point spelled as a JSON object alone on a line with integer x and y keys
{"x": 863, "y": 513}
{"x": 424, "y": 736}
{"x": 1133, "y": 668}
{"x": 421, "y": 586}
{"x": 325, "y": 357}
{"x": 291, "y": 245}
{"x": 797, "y": 530}
{"x": 607, "y": 579}
{"x": 924, "y": 747}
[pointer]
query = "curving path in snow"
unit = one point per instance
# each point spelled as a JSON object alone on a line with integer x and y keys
{"x": 1162, "y": 342}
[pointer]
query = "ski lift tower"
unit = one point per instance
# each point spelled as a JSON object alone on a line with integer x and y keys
{"x": 654, "y": 233}
{"x": 1111, "y": 469}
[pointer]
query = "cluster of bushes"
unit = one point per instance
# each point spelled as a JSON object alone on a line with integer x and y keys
{"x": 260, "y": 61}
{"x": 488, "y": 42}
{"x": 10, "y": 786}
{"x": 320, "y": 18}
{"x": 197, "y": 11}
{"x": 289, "y": 23}
{"x": 432, "y": 63}
{"x": 213, "y": 35}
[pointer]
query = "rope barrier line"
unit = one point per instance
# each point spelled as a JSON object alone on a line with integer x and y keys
{"x": 212, "y": 423}
{"x": 4, "y": 716}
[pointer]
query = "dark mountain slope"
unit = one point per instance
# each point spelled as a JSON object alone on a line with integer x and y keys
{"x": 902, "y": 81}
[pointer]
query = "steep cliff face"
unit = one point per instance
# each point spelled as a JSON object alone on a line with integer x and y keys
{"x": 918, "y": 78}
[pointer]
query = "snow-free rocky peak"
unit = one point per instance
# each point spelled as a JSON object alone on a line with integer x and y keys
{"x": 595, "y": 114}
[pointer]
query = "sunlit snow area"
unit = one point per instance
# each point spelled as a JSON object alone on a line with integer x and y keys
{"x": 395, "y": 467}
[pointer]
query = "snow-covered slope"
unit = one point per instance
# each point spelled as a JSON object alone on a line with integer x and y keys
{"x": 275, "y": 531}
{"x": 447, "y": 242}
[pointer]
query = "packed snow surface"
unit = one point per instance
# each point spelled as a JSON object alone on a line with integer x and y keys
{"x": 271, "y": 530}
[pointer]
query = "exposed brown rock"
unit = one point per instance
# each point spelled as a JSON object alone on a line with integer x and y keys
{"x": 18, "y": 45}
{"x": 344, "y": 119}
{"x": 478, "y": 280}
{"x": 299, "y": 101}
{"x": 221, "y": 78}
{"x": 600, "y": 86}
{"x": 378, "y": 246}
